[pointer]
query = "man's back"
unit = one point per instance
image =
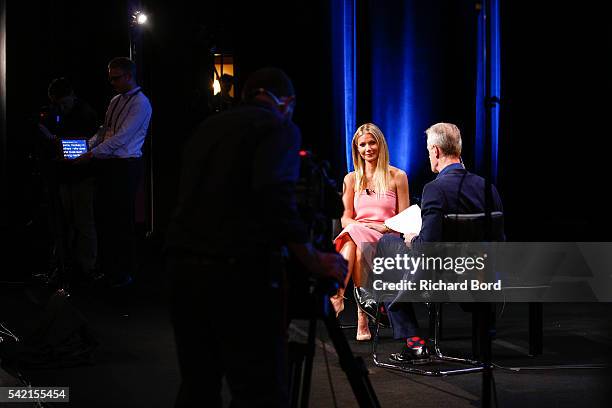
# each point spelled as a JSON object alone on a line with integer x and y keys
{"x": 236, "y": 193}
{"x": 457, "y": 191}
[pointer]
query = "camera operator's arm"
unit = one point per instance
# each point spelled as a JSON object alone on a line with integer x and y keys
{"x": 47, "y": 144}
{"x": 274, "y": 176}
{"x": 348, "y": 197}
{"x": 321, "y": 265}
{"x": 46, "y": 132}
{"x": 275, "y": 173}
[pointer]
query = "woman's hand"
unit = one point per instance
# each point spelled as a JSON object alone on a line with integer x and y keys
{"x": 408, "y": 239}
{"x": 382, "y": 228}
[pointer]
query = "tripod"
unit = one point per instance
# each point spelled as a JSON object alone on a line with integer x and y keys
{"x": 318, "y": 307}
{"x": 57, "y": 269}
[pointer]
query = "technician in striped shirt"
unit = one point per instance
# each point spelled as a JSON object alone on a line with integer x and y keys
{"x": 116, "y": 150}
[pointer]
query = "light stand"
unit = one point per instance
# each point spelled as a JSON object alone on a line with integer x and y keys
{"x": 138, "y": 21}
{"x": 485, "y": 320}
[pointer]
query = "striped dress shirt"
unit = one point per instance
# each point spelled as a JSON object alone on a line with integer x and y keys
{"x": 125, "y": 127}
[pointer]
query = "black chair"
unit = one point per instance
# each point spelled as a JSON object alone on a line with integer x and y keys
{"x": 456, "y": 228}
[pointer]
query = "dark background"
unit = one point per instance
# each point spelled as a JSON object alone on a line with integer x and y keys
{"x": 553, "y": 156}
{"x": 553, "y": 143}
{"x": 554, "y": 134}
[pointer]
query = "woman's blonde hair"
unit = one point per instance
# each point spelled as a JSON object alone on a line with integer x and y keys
{"x": 381, "y": 180}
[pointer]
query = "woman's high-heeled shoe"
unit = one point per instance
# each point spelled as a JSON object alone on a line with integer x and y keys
{"x": 363, "y": 330}
{"x": 337, "y": 302}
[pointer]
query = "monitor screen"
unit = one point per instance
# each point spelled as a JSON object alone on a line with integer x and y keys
{"x": 73, "y": 148}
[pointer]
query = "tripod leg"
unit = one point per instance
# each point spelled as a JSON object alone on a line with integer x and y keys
{"x": 354, "y": 367}
{"x": 59, "y": 227}
{"x": 310, "y": 351}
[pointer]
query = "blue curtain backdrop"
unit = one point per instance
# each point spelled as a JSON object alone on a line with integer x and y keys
{"x": 344, "y": 74}
{"x": 400, "y": 80}
{"x": 423, "y": 65}
{"x": 495, "y": 82}
{"x": 401, "y": 98}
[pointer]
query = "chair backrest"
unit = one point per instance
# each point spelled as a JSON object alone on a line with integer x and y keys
{"x": 471, "y": 227}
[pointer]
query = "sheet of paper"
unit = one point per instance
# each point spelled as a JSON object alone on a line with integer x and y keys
{"x": 408, "y": 221}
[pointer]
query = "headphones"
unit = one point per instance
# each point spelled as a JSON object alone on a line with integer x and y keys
{"x": 277, "y": 101}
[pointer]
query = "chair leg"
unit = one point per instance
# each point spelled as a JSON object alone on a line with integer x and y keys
{"x": 440, "y": 321}
{"x": 434, "y": 311}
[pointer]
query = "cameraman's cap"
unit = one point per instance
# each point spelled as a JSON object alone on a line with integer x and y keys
{"x": 271, "y": 79}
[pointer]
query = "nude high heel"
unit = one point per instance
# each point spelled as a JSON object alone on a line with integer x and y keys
{"x": 337, "y": 301}
{"x": 363, "y": 330}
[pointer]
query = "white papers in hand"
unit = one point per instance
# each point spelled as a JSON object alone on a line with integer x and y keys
{"x": 408, "y": 221}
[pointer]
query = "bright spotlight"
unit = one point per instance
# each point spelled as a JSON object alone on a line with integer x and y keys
{"x": 140, "y": 18}
{"x": 216, "y": 87}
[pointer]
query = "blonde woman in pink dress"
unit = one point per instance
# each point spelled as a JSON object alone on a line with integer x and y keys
{"x": 372, "y": 193}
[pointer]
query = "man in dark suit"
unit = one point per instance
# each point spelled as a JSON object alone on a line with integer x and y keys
{"x": 454, "y": 191}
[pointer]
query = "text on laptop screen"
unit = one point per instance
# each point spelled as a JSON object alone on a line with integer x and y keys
{"x": 73, "y": 148}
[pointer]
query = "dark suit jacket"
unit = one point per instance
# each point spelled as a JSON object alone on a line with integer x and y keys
{"x": 454, "y": 191}
{"x": 443, "y": 196}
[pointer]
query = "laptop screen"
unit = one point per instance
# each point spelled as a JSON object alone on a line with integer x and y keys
{"x": 73, "y": 148}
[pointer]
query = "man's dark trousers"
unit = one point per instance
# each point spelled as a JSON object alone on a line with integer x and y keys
{"x": 117, "y": 181}
{"x": 229, "y": 320}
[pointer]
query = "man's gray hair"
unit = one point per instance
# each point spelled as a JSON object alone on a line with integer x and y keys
{"x": 447, "y": 137}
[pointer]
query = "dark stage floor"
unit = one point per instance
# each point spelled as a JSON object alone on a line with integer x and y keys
{"x": 135, "y": 364}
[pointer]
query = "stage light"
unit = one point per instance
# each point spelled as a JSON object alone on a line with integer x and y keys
{"x": 224, "y": 64}
{"x": 216, "y": 87}
{"x": 140, "y": 18}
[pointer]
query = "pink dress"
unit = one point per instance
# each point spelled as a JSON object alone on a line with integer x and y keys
{"x": 368, "y": 208}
